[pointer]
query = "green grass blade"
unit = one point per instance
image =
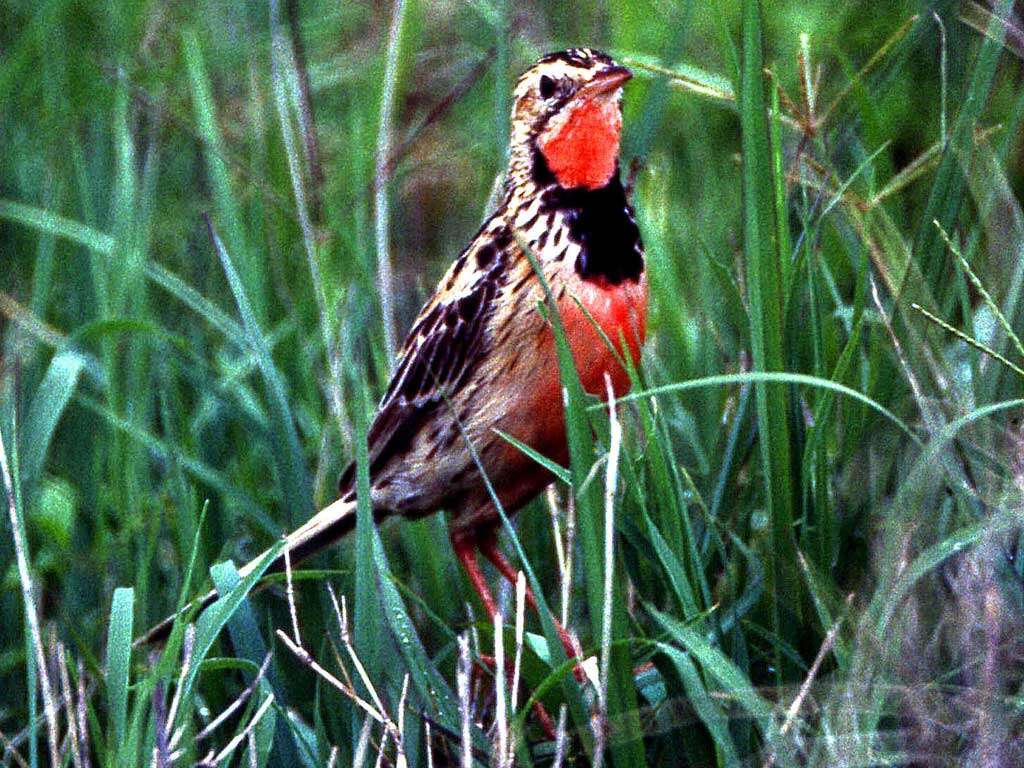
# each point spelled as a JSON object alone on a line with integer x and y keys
{"x": 216, "y": 617}
{"x": 725, "y": 673}
{"x": 295, "y": 486}
{"x": 119, "y": 651}
{"x": 250, "y": 646}
{"x": 766, "y": 296}
{"x": 773, "y": 377}
{"x": 48, "y": 404}
{"x": 215, "y": 152}
{"x": 708, "y": 710}
{"x": 947, "y": 192}
{"x": 51, "y": 223}
{"x": 368, "y": 618}
{"x": 560, "y": 472}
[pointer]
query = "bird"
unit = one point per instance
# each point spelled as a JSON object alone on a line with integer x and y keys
{"x": 481, "y": 358}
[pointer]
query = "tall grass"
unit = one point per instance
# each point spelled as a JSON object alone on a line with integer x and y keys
{"x": 815, "y": 506}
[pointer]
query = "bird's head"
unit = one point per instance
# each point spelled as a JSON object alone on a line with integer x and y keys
{"x": 567, "y": 118}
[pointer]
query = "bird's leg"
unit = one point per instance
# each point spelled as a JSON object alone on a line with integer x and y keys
{"x": 465, "y": 549}
{"x": 488, "y": 545}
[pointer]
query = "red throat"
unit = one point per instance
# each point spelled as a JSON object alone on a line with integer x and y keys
{"x": 583, "y": 151}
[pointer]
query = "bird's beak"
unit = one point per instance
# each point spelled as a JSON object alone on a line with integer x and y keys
{"x": 606, "y": 81}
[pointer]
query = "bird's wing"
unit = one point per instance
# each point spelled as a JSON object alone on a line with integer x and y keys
{"x": 449, "y": 338}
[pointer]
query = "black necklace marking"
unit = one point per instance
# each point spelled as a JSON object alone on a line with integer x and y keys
{"x": 600, "y": 221}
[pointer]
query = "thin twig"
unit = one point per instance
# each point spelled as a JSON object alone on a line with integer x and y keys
{"x": 812, "y": 673}
{"x": 10, "y": 750}
{"x": 346, "y": 639}
{"x": 380, "y": 750}
{"x": 341, "y": 632}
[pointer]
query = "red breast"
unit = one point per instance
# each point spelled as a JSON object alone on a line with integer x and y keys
{"x": 620, "y": 312}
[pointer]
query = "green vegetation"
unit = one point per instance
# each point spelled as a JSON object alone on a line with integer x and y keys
{"x": 816, "y": 501}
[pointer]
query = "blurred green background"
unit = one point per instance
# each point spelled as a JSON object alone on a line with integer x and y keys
{"x": 137, "y": 384}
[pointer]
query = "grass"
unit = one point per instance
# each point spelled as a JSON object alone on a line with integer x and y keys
{"x": 811, "y": 498}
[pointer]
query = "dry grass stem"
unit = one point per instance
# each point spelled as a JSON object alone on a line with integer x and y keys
{"x": 400, "y": 759}
{"x": 80, "y": 713}
{"x": 307, "y": 660}
{"x": 363, "y": 744}
{"x": 237, "y": 703}
{"x": 69, "y": 706}
{"x": 462, "y": 684}
{"x": 520, "y": 633}
{"x": 186, "y": 665}
{"x": 560, "y": 737}
{"x": 346, "y": 639}
{"x": 610, "y": 487}
{"x": 11, "y": 752}
{"x": 233, "y": 744}
{"x": 290, "y": 591}
{"x": 501, "y": 739}
{"x": 31, "y": 617}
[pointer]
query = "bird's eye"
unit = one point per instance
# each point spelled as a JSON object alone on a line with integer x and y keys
{"x": 547, "y": 87}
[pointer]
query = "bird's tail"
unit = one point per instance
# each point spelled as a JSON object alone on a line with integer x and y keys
{"x": 319, "y": 532}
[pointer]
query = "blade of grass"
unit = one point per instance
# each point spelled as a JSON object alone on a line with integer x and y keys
{"x": 719, "y": 667}
{"x": 766, "y": 297}
{"x": 775, "y": 377}
{"x": 368, "y": 615}
{"x": 51, "y": 223}
{"x": 228, "y": 211}
{"x": 119, "y": 651}
{"x": 250, "y": 646}
{"x": 295, "y": 485}
{"x": 385, "y": 129}
{"x": 707, "y": 709}
{"x": 48, "y": 404}
{"x": 947, "y": 192}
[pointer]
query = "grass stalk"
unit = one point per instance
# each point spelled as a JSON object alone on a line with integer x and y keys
{"x": 34, "y": 640}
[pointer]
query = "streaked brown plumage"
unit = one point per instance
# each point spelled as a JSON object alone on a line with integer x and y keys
{"x": 480, "y": 357}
